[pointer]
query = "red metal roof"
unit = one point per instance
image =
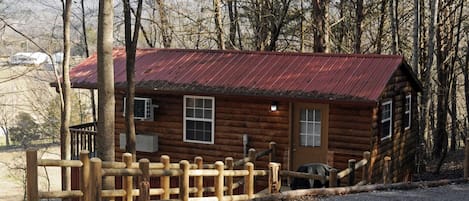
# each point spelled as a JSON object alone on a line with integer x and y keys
{"x": 307, "y": 75}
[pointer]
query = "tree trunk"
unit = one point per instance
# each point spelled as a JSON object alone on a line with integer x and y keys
{"x": 231, "y": 15}
{"x": 394, "y": 26}
{"x": 319, "y": 25}
{"x": 67, "y": 92}
{"x": 358, "y": 26}
{"x": 382, "y": 18}
{"x": 165, "y": 26}
{"x": 342, "y": 27}
{"x": 465, "y": 70}
{"x": 131, "y": 49}
{"x": 416, "y": 34}
{"x": 454, "y": 80}
{"x": 219, "y": 24}
{"x": 302, "y": 27}
{"x": 106, "y": 100}
{"x": 453, "y": 114}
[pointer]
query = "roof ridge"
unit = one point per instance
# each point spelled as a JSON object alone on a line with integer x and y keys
{"x": 368, "y": 55}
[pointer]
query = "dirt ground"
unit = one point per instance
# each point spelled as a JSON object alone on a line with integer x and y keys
{"x": 12, "y": 163}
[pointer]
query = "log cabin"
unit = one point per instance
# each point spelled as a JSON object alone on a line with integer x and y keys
{"x": 321, "y": 108}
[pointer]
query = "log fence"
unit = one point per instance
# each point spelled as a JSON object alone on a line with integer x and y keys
{"x": 191, "y": 177}
{"x": 334, "y": 176}
{"x": 92, "y": 170}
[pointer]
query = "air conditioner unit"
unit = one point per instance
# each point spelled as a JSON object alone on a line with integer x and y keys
{"x": 144, "y": 142}
{"x": 143, "y": 108}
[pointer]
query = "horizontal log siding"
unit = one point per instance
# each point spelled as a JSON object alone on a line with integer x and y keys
{"x": 233, "y": 119}
{"x": 403, "y": 143}
{"x": 349, "y": 133}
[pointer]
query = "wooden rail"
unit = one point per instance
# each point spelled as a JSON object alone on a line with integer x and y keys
{"x": 93, "y": 170}
{"x": 334, "y": 177}
{"x": 83, "y": 137}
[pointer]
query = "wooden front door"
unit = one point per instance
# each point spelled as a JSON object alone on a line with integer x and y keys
{"x": 310, "y": 134}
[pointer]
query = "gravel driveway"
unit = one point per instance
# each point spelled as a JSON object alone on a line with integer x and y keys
{"x": 448, "y": 192}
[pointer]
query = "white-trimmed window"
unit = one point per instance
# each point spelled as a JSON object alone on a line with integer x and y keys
{"x": 386, "y": 120}
{"x": 199, "y": 124}
{"x": 310, "y": 128}
{"x": 143, "y": 108}
{"x": 407, "y": 112}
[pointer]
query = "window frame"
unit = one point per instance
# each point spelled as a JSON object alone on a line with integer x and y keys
{"x": 185, "y": 119}
{"x": 313, "y": 121}
{"x": 148, "y": 116}
{"x": 389, "y": 135}
{"x": 408, "y": 111}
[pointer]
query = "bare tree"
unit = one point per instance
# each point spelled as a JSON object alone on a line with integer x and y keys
{"x": 219, "y": 24}
{"x": 131, "y": 41}
{"x": 358, "y": 26}
{"x": 106, "y": 98}
{"x": 165, "y": 25}
{"x": 320, "y": 26}
{"x": 65, "y": 137}
{"x": 393, "y": 8}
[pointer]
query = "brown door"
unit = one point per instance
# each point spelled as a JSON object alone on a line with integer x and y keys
{"x": 310, "y": 128}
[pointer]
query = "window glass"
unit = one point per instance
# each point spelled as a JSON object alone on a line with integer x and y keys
{"x": 198, "y": 119}
{"x": 310, "y": 128}
{"x": 386, "y": 120}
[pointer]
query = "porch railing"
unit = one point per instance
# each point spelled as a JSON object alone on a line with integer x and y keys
{"x": 83, "y": 137}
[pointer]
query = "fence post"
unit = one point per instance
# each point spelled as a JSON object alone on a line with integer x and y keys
{"x": 31, "y": 175}
{"x": 365, "y": 169}
{"x": 273, "y": 152}
{"x": 144, "y": 185}
{"x": 219, "y": 166}
{"x": 199, "y": 180}
{"x": 165, "y": 180}
{"x": 466, "y": 159}
{"x": 252, "y": 155}
{"x": 333, "y": 178}
{"x": 127, "y": 182}
{"x": 95, "y": 179}
{"x": 249, "y": 180}
{"x": 184, "y": 181}
{"x": 351, "y": 176}
{"x": 274, "y": 178}
{"x": 85, "y": 175}
{"x": 229, "y": 179}
{"x": 386, "y": 169}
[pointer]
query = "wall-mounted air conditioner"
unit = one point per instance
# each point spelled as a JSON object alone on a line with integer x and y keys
{"x": 144, "y": 142}
{"x": 143, "y": 108}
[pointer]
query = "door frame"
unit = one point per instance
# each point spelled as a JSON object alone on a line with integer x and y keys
{"x": 295, "y": 107}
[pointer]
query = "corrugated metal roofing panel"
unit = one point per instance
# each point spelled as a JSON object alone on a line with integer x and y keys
{"x": 354, "y": 77}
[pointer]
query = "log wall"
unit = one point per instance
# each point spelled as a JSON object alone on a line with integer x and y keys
{"x": 402, "y": 145}
{"x": 233, "y": 119}
{"x": 349, "y": 133}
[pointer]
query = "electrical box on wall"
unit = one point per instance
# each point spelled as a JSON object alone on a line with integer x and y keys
{"x": 144, "y": 142}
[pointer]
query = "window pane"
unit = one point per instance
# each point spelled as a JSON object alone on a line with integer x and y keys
{"x": 385, "y": 129}
{"x": 310, "y": 128}
{"x": 190, "y": 125}
{"x": 207, "y": 103}
{"x": 199, "y": 113}
{"x": 317, "y": 115}
{"x": 199, "y": 103}
{"x": 208, "y": 114}
{"x": 310, "y": 115}
{"x": 303, "y": 141}
{"x": 317, "y": 128}
{"x": 317, "y": 141}
{"x": 189, "y": 102}
{"x": 303, "y": 127}
{"x": 303, "y": 115}
{"x": 189, "y": 112}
